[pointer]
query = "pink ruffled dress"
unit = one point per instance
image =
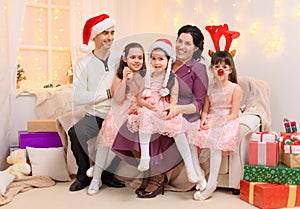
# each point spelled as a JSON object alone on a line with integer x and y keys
{"x": 221, "y": 135}
{"x": 118, "y": 115}
{"x": 151, "y": 122}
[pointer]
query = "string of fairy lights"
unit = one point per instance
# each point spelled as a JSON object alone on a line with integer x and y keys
{"x": 61, "y": 58}
{"x": 45, "y": 48}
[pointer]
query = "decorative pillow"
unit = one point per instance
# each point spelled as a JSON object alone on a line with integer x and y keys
{"x": 5, "y": 181}
{"x": 48, "y": 162}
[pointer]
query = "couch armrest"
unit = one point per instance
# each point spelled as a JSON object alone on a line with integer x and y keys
{"x": 248, "y": 125}
{"x": 252, "y": 122}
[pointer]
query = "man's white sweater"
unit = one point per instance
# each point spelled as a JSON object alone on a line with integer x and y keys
{"x": 92, "y": 83}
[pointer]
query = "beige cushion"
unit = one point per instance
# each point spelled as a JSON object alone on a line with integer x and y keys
{"x": 48, "y": 162}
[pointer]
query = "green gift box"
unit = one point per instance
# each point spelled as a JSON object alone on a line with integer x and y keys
{"x": 280, "y": 174}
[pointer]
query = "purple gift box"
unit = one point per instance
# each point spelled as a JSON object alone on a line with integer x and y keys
{"x": 39, "y": 139}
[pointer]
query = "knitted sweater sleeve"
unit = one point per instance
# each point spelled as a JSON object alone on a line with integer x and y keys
{"x": 83, "y": 94}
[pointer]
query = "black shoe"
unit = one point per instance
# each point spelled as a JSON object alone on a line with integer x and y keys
{"x": 235, "y": 191}
{"x": 107, "y": 178}
{"x": 78, "y": 185}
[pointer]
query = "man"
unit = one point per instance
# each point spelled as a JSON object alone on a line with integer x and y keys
{"x": 93, "y": 77}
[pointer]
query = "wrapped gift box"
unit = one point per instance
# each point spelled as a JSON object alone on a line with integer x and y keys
{"x": 290, "y": 160}
{"x": 264, "y": 195}
{"x": 280, "y": 174}
{"x": 264, "y": 136}
{"x": 292, "y": 149}
{"x": 263, "y": 153}
{"x": 48, "y": 125}
{"x": 39, "y": 139}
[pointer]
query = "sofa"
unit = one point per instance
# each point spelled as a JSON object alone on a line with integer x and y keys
{"x": 255, "y": 116}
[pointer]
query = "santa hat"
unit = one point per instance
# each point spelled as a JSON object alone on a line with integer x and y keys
{"x": 167, "y": 47}
{"x": 93, "y": 27}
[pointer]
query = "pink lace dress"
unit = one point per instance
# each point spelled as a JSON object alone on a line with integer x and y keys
{"x": 222, "y": 135}
{"x": 151, "y": 122}
{"x": 118, "y": 115}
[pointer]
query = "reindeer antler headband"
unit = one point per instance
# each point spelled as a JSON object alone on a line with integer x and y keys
{"x": 216, "y": 33}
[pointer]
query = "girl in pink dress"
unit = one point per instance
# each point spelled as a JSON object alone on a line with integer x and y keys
{"x": 219, "y": 118}
{"x": 160, "y": 90}
{"x": 123, "y": 90}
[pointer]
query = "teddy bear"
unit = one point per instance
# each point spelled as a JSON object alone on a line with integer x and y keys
{"x": 19, "y": 168}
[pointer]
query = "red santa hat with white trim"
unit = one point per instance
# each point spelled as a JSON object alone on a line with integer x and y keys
{"x": 93, "y": 27}
{"x": 166, "y": 45}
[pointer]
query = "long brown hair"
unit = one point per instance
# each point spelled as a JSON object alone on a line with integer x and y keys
{"x": 125, "y": 54}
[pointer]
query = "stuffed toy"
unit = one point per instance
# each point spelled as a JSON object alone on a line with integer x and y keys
{"x": 19, "y": 168}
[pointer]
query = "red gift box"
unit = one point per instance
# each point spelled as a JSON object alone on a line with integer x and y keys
{"x": 263, "y": 153}
{"x": 39, "y": 139}
{"x": 265, "y": 195}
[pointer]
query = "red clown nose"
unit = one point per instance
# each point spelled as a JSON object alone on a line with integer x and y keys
{"x": 220, "y": 72}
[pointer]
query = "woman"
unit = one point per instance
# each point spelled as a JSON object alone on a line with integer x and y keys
{"x": 193, "y": 81}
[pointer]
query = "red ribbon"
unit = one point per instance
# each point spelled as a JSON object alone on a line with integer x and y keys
{"x": 262, "y": 134}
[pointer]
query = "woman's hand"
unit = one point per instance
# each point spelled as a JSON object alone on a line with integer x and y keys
{"x": 204, "y": 125}
{"x": 172, "y": 111}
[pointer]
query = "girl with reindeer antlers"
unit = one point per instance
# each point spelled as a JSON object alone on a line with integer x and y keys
{"x": 219, "y": 118}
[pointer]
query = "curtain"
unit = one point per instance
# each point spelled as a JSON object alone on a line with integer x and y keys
{"x": 11, "y": 19}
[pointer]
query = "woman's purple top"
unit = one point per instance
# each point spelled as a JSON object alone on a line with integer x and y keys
{"x": 193, "y": 83}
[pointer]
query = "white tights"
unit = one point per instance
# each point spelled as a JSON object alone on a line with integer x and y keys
{"x": 195, "y": 157}
{"x": 183, "y": 148}
{"x": 215, "y": 163}
{"x": 100, "y": 164}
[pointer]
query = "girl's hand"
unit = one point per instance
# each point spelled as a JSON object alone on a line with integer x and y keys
{"x": 127, "y": 73}
{"x": 172, "y": 111}
{"x": 147, "y": 104}
{"x": 132, "y": 111}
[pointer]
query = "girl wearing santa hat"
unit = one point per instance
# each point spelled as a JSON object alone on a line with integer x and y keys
{"x": 159, "y": 90}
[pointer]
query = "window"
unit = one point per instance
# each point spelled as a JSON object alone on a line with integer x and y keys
{"x": 44, "y": 51}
